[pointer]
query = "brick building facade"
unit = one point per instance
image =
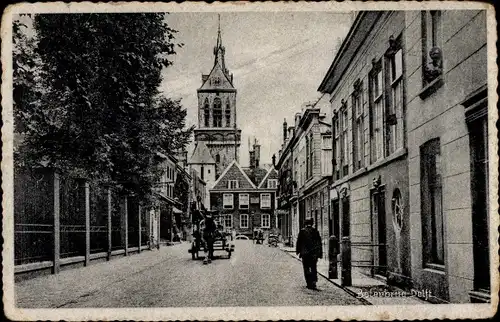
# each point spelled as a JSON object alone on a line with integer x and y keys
{"x": 245, "y": 197}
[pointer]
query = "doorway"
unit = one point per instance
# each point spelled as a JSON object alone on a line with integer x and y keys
{"x": 379, "y": 232}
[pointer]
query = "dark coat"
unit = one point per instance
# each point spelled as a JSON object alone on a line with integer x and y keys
{"x": 309, "y": 243}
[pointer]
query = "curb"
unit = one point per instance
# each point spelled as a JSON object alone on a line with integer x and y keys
{"x": 348, "y": 291}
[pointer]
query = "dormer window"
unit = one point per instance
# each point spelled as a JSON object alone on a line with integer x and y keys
{"x": 272, "y": 184}
{"x": 233, "y": 184}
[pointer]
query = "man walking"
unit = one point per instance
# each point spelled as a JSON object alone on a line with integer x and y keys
{"x": 309, "y": 248}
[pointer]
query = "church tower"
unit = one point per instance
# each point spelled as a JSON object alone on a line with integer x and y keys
{"x": 217, "y": 131}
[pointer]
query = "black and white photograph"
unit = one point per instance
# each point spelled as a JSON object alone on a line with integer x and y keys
{"x": 250, "y": 161}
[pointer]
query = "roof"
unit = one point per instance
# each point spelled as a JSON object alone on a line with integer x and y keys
{"x": 256, "y": 174}
{"x": 363, "y": 24}
{"x": 229, "y": 167}
{"x": 271, "y": 170}
{"x": 201, "y": 154}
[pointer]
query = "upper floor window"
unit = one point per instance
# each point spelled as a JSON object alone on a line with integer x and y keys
{"x": 311, "y": 155}
{"x": 307, "y": 157}
{"x": 394, "y": 102}
{"x": 233, "y": 184}
{"x": 202, "y": 171}
{"x": 326, "y": 142}
{"x": 217, "y": 112}
{"x": 376, "y": 115}
{"x": 265, "y": 200}
{"x": 431, "y": 203}
{"x": 432, "y": 55}
{"x": 217, "y": 158}
{"x": 244, "y": 200}
{"x": 266, "y": 221}
{"x": 206, "y": 113}
{"x": 344, "y": 157}
{"x": 227, "y": 201}
{"x": 336, "y": 146}
{"x": 272, "y": 183}
{"x": 358, "y": 127}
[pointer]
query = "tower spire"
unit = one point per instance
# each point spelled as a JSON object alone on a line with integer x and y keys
{"x": 219, "y": 38}
{"x": 219, "y": 50}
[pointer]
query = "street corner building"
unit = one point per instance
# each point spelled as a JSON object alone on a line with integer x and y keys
{"x": 245, "y": 196}
{"x": 410, "y": 150}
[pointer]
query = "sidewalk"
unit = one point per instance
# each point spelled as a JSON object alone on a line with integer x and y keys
{"x": 373, "y": 291}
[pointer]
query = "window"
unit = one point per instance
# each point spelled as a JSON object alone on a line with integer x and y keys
{"x": 311, "y": 155}
{"x": 244, "y": 200}
{"x": 336, "y": 147}
{"x": 228, "y": 201}
{"x": 202, "y": 173}
{"x": 206, "y": 112}
{"x": 228, "y": 115}
{"x": 394, "y": 101}
{"x": 376, "y": 95}
{"x": 243, "y": 221}
{"x": 307, "y": 157}
{"x": 397, "y": 210}
{"x": 431, "y": 203}
{"x": 232, "y": 184}
{"x": 476, "y": 112}
{"x": 217, "y": 112}
{"x": 295, "y": 174}
{"x": 217, "y": 158}
{"x": 272, "y": 183}
{"x": 358, "y": 127}
{"x": 265, "y": 200}
{"x": 344, "y": 161}
{"x": 326, "y": 142}
{"x": 265, "y": 221}
{"x": 432, "y": 56}
{"x": 228, "y": 221}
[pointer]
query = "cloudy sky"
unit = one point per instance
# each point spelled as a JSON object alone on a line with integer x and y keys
{"x": 278, "y": 60}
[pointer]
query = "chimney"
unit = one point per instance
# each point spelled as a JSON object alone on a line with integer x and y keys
{"x": 252, "y": 159}
{"x": 291, "y": 131}
{"x": 274, "y": 160}
{"x": 297, "y": 119}
{"x": 256, "y": 149}
{"x": 285, "y": 129}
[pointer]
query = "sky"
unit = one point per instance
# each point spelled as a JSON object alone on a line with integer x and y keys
{"x": 278, "y": 60}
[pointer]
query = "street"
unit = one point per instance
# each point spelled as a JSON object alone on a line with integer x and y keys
{"x": 255, "y": 275}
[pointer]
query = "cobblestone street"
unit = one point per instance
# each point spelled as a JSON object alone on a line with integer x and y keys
{"x": 255, "y": 275}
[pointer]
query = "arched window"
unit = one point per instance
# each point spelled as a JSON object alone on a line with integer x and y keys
{"x": 228, "y": 115}
{"x": 217, "y": 158}
{"x": 217, "y": 112}
{"x": 206, "y": 110}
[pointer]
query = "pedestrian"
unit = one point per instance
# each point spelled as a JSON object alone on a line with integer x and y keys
{"x": 309, "y": 249}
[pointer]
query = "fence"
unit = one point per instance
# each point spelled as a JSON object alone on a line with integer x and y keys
{"x": 60, "y": 220}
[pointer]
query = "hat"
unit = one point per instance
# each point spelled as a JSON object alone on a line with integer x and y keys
{"x": 308, "y": 221}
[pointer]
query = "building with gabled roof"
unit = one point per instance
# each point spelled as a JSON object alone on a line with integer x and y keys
{"x": 245, "y": 196}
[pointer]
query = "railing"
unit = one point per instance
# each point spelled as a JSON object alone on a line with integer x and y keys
{"x": 347, "y": 262}
{"x": 60, "y": 217}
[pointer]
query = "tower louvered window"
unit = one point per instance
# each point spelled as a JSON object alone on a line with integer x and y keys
{"x": 217, "y": 112}
{"x": 206, "y": 110}
{"x": 228, "y": 115}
